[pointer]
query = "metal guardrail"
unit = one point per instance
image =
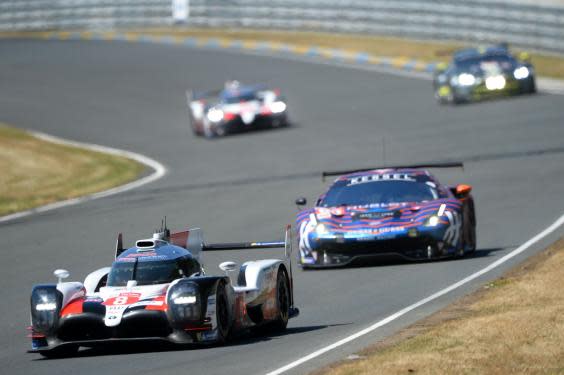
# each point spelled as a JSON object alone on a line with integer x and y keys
{"x": 533, "y": 26}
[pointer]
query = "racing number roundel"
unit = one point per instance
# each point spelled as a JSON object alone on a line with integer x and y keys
{"x": 122, "y": 299}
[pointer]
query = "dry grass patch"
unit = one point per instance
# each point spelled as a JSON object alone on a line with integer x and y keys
{"x": 512, "y": 326}
{"x": 36, "y": 172}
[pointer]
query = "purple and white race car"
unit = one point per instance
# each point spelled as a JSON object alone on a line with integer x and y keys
{"x": 386, "y": 212}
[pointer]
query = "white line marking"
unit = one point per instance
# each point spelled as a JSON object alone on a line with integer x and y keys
{"x": 424, "y": 301}
{"x": 159, "y": 172}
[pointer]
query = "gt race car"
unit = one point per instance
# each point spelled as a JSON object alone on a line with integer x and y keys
{"x": 477, "y": 73}
{"x": 386, "y": 212}
{"x": 236, "y": 108}
{"x": 158, "y": 290}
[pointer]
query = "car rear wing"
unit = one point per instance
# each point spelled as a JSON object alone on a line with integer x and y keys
{"x": 286, "y": 244}
{"x": 455, "y": 164}
{"x": 195, "y": 245}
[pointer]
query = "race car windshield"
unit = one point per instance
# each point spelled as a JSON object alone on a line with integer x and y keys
{"x": 151, "y": 273}
{"x": 378, "y": 192}
{"x": 473, "y": 64}
{"x": 240, "y": 98}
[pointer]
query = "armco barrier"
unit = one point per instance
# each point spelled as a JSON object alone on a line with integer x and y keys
{"x": 528, "y": 25}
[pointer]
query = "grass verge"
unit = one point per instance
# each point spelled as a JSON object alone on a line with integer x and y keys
{"x": 36, "y": 172}
{"x": 546, "y": 65}
{"x": 514, "y": 325}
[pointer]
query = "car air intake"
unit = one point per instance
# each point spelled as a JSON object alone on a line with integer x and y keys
{"x": 145, "y": 244}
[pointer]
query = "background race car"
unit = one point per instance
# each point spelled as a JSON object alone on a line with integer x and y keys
{"x": 395, "y": 211}
{"x": 158, "y": 290}
{"x": 236, "y": 108}
{"x": 477, "y": 73}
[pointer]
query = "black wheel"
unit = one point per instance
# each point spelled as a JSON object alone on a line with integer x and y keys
{"x": 61, "y": 352}
{"x": 282, "y": 301}
{"x": 532, "y": 87}
{"x": 431, "y": 252}
{"x": 219, "y": 131}
{"x": 223, "y": 317}
{"x": 470, "y": 239}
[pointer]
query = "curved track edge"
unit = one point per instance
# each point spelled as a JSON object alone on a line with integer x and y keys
{"x": 159, "y": 170}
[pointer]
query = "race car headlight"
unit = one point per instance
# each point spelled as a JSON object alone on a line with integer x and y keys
{"x": 432, "y": 221}
{"x": 215, "y": 115}
{"x": 321, "y": 229}
{"x": 46, "y": 306}
{"x": 521, "y": 72}
{"x": 435, "y": 219}
{"x": 184, "y": 302}
{"x": 278, "y": 107}
{"x": 495, "y": 82}
{"x": 46, "y": 303}
{"x": 466, "y": 79}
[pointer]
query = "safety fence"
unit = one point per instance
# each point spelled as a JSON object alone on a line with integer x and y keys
{"x": 529, "y": 25}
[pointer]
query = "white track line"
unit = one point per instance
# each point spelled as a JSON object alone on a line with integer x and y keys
{"x": 424, "y": 301}
{"x": 159, "y": 171}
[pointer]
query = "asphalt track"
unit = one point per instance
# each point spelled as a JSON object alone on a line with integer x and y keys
{"x": 131, "y": 96}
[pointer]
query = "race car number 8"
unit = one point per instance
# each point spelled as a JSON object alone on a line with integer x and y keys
{"x": 121, "y": 300}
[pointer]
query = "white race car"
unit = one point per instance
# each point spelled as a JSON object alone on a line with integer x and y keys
{"x": 236, "y": 108}
{"x": 158, "y": 290}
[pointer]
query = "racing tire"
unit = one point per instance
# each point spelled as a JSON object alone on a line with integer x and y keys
{"x": 440, "y": 100}
{"x": 219, "y": 131}
{"x": 282, "y": 301}
{"x": 432, "y": 252}
{"x": 61, "y": 352}
{"x": 223, "y": 317}
{"x": 193, "y": 125}
{"x": 472, "y": 229}
{"x": 208, "y": 131}
{"x": 532, "y": 87}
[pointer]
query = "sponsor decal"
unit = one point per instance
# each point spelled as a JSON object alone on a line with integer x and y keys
{"x": 147, "y": 254}
{"x": 323, "y": 213}
{"x": 209, "y": 336}
{"x": 148, "y": 303}
{"x": 377, "y": 230}
{"x": 381, "y": 177}
{"x": 306, "y": 227}
{"x": 452, "y": 233}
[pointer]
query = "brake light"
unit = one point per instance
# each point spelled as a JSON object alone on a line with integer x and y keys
{"x": 229, "y": 116}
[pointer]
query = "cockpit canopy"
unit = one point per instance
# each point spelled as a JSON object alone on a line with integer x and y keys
{"x": 152, "y": 272}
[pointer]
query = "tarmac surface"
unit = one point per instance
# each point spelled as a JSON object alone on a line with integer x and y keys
{"x": 242, "y": 188}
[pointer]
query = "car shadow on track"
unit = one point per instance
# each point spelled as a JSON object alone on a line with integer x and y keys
{"x": 398, "y": 260}
{"x": 246, "y": 338}
{"x": 257, "y": 131}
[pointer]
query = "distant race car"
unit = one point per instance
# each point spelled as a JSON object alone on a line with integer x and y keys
{"x": 158, "y": 290}
{"x": 236, "y": 108}
{"x": 391, "y": 212}
{"x": 477, "y": 73}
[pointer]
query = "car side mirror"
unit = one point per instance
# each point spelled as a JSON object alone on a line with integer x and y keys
{"x": 462, "y": 191}
{"x": 525, "y": 57}
{"x": 440, "y": 68}
{"x": 228, "y": 267}
{"x": 301, "y": 201}
{"x": 61, "y": 274}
